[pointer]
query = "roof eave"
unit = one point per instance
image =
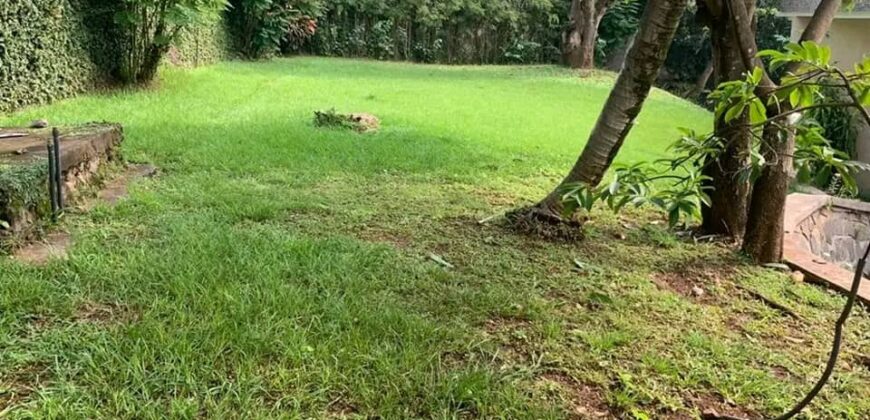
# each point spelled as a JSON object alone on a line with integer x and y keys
{"x": 851, "y": 15}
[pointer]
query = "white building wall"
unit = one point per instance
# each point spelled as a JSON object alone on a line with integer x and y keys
{"x": 849, "y": 39}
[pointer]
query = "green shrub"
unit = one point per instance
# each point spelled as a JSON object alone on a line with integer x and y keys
{"x": 462, "y": 31}
{"x": 838, "y": 123}
{"x": 147, "y": 29}
{"x": 200, "y": 45}
{"x": 52, "y": 49}
{"x": 259, "y": 27}
{"x": 44, "y": 52}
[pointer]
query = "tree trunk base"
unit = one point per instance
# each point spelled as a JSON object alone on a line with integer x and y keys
{"x": 538, "y": 222}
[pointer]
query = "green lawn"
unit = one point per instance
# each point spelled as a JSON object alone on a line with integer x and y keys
{"x": 275, "y": 269}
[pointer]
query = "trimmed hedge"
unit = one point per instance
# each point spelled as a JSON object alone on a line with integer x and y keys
{"x": 201, "y": 45}
{"x": 42, "y": 54}
{"x": 52, "y": 49}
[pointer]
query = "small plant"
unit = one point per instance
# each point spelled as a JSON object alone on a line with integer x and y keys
{"x": 331, "y": 118}
{"x": 359, "y": 122}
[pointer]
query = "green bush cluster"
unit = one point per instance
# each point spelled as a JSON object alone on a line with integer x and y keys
{"x": 690, "y": 52}
{"x": 259, "y": 28}
{"x": 454, "y": 31}
{"x": 201, "y": 45}
{"x": 43, "y": 52}
{"x": 51, "y": 49}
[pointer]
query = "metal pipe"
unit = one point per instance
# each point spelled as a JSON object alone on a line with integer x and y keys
{"x": 51, "y": 188}
{"x": 58, "y": 184}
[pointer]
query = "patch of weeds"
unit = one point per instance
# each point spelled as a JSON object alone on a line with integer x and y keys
{"x": 655, "y": 234}
{"x": 608, "y": 339}
{"x": 360, "y": 122}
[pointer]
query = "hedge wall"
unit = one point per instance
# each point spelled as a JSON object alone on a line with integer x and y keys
{"x": 201, "y": 45}
{"x": 52, "y": 49}
{"x": 42, "y": 53}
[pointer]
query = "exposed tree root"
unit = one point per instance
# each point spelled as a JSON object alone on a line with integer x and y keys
{"x": 537, "y": 222}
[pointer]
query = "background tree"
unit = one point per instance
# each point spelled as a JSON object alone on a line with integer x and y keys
{"x": 147, "y": 28}
{"x": 658, "y": 24}
{"x": 765, "y": 228}
{"x": 581, "y": 34}
{"x": 259, "y": 27}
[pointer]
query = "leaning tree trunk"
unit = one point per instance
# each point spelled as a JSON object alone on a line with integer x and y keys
{"x": 645, "y": 58}
{"x": 729, "y": 197}
{"x": 580, "y": 37}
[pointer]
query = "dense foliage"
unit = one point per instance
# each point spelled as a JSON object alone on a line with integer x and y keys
{"x": 816, "y": 159}
{"x": 201, "y": 44}
{"x": 260, "y": 27}
{"x": 52, "y": 49}
{"x": 690, "y": 52}
{"x": 453, "y": 31}
{"x": 147, "y": 28}
{"x": 44, "y": 52}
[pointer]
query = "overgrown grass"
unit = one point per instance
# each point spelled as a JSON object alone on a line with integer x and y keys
{"x": 275, "y": 269}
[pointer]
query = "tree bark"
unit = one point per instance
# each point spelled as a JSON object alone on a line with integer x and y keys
{"x": 766, "y": 219}
{"x": 766, "y": 222}
{"x": 645, "y": 58}
{"x": 729, "y": 197}
{"x": 701, "y": 81}
{"x": 579, "y": 39}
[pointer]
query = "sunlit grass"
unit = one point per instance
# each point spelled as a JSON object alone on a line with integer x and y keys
{"x": 275, "y": 269}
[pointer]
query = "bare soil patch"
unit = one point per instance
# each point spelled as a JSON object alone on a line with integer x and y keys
{"x": 53, "y": 246}
{"x": 714, "y": 407}
{"x": 531, "y": 221}
{"x": 17, "y": 386}
{"x": 584, "y": 401}
{"x": 104, "y": 313}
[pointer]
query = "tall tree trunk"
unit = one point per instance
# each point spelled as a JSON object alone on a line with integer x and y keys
{"x": 765, "y": 227}
{"x": 701, "y": 82}
{"x": 645, "y": 58}
{"x": 764, "y": 232}
{"x": 729, "y": 197}
{"x": 579, "y": 39}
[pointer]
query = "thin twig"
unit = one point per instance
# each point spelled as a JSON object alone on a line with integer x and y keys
{"x": 772, "y": 303}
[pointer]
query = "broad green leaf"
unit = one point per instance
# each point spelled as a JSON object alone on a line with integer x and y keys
{"x": 735, "y": 111}
{"x": 794, "y": 98}
{"x": 674, "y": 216}
{"x": 757, "y": 112}
{"x": 864, "y": 96}
{"x": 757, "y": 72}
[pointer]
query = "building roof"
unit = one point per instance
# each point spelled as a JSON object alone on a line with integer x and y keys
{"x": 858, "y": 8}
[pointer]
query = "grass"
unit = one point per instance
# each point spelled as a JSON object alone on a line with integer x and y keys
{"x": 275, "y": 269}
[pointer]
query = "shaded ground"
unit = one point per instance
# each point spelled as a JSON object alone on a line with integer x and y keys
{"x": 276, "y": 270}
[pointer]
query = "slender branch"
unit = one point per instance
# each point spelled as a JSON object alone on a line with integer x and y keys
{"x": 745, "y": 36}
{"x": 863, "y": 111}
{"x": 799, "y": 110}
